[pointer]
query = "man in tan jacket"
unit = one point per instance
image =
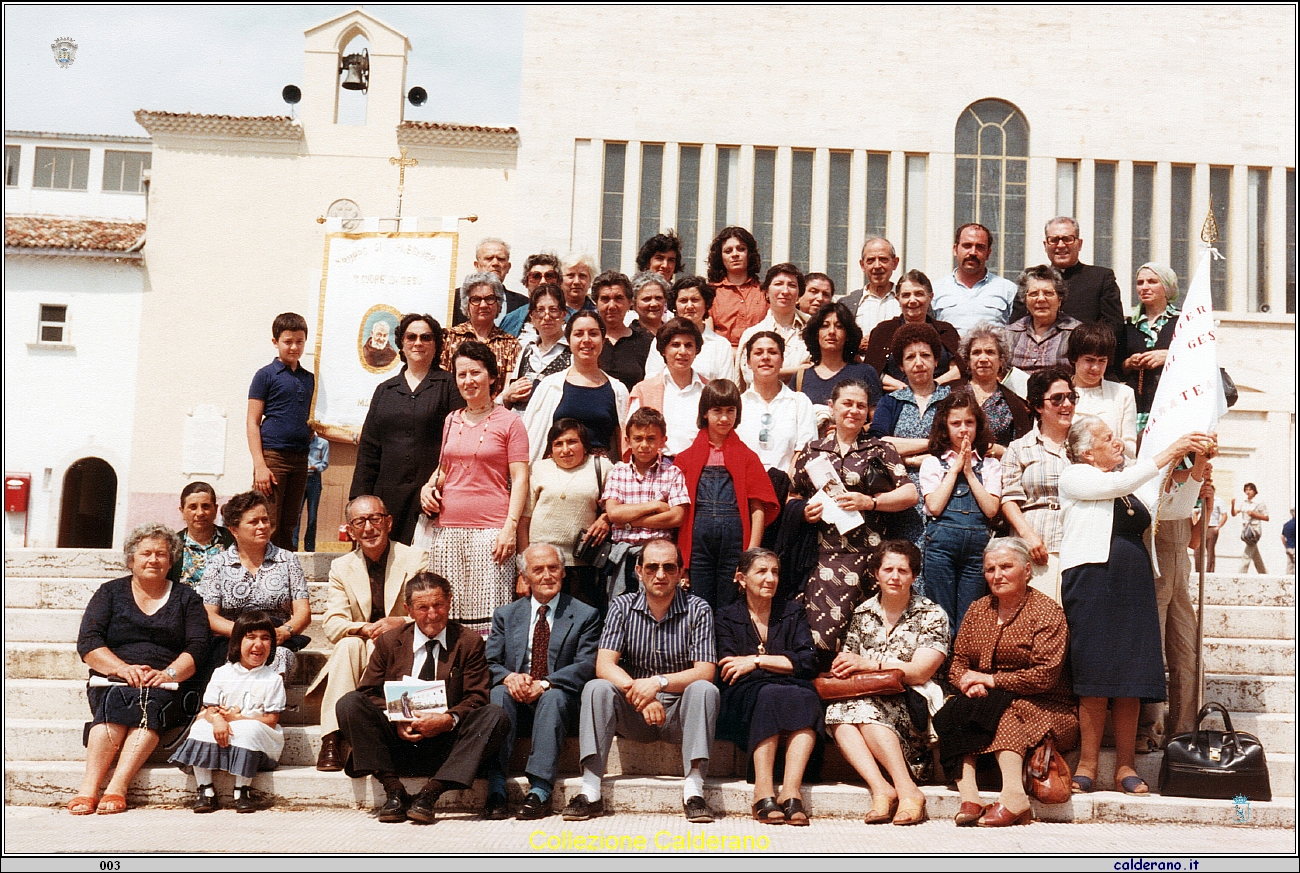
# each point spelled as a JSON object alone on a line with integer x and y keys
{"x": 365, "y": 601}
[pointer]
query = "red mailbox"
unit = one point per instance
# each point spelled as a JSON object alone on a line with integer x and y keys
{"x": 17, "y": 488}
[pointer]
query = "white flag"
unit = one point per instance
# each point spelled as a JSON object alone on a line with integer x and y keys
{"x": 1190, "y": 395}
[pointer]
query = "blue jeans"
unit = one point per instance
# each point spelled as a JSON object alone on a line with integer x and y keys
{"x": 954, "y": 567}
{"x": 715, "y": 539}
{"x": 310, "y": 497}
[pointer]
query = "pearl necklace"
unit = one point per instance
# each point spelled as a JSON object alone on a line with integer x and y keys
{"x": 465, "y": 465}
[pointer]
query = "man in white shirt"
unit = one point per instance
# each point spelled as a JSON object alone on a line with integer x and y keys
{"x": 971, "y": 294}
{"x": 876, "y": 301}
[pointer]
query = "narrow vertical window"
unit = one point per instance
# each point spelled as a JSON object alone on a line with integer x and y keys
{"x": 688, "y": 203}
{"x": 877, "y": 193}
{"x": 1144, "y": 190}
{"x": 611, "y": 206}
{"x": 992, "y": 159}
{"x": 914, "y": 203}
{"x": 1257, "y": 239}
{"x": 1067, "y": 187}
{"x": 837, "y": 220}
{"x": 1103, "y": 214}
{"x": 13, "y": 158}
{"x": 1220, "y": 194}
{"x": 726, "y": 200}
{"x": 1180, "y": 219}
{"x": 652, "y": 180}
{"x": 801, "y": 172}
{"x": 764, "y": 199}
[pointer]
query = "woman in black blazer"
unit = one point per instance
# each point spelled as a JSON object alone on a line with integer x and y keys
{"x": 401, "y": 441}
{"x": 766, "y": 662}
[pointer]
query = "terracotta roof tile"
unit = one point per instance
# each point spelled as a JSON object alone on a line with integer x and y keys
{"x": 461, "y": 135}
{"x": 280, "y": 127}
{"x": 77, "y": 234}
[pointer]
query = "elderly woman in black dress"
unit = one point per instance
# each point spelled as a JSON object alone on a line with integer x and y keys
{"x": 139, "y": 632}
{"x": 401, "y": 441}
{"x": 766, "y": 660}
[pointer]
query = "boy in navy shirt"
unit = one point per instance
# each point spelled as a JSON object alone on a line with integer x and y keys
{"x": 279, "y": 403}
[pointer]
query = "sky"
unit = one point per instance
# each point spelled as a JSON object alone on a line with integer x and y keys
{"x": 236, "y": 59}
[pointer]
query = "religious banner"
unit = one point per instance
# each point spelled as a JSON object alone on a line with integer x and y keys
{"x": 1190, "y": 394}
{"x": 370, "y": 280}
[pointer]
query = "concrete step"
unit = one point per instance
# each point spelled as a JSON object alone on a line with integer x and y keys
{"x": 1251, "y": 693}
{"x": 110, "y": 563}
{"x": 54, "y": 626}
{"x": 38, "y": 783}
{"x": 1250, "y": 622}
{"x": 1245, "y": 657}
{"x": 66, "y": 699}
{"x": 74, "y": 592}
{"x": 26, "y": 660}
{"x": 1231, "y": 589}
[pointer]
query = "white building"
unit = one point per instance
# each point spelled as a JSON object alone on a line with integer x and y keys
{"x": 74, "y": 236}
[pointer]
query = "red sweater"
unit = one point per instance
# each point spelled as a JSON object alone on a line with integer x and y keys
{"x": 748, "y": 476}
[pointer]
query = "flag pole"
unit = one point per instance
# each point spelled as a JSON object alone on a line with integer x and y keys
{"x": 1209, "y": 235}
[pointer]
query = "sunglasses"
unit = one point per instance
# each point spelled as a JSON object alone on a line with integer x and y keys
{"x": 766, "y": 421}
{"x": 1060, "y": 399}
{"x": 670, "y": 569}
{"x": 418, "y": 337}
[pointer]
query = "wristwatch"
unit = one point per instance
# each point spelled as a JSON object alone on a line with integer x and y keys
{"x": 171, "y": 671}
{"x": 663, "y": 682}
{"x": 546, "y": 684}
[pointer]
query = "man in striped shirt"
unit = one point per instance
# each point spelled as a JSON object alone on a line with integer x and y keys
{"x": 654, "y": 681}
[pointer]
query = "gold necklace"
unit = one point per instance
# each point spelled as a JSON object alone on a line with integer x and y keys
{"x": 564, "y": 492}
{"x": 465, "y": 465}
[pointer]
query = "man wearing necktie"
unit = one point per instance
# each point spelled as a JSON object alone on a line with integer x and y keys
{"x": 541, "y": 652}
{"x": 450, "y": 745}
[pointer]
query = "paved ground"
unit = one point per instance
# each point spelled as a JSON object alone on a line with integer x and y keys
{"x": 39, "y": 830}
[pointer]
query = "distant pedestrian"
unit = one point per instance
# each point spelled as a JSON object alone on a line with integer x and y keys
{"x": 1255, "y": 512}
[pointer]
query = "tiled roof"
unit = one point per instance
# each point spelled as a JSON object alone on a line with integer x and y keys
{"x": 280, "y": 127}
{"x": 462, "y": 135}
{"x": 71, "y": 234}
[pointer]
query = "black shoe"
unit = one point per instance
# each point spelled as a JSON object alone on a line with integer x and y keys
{"x": 249, "y": 799}
{"x": 394, "y": 808}
{"x": 534, "y": 808}
{"x": 207, "y": 801}
{"x": 696, "y": 811}
{"x": 497, "y": 809}
{"x": 581, "y": 809}
{"x": 421, "y": 809}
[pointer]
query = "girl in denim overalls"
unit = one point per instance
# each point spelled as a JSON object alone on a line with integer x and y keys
{"x": 962, "y": 491}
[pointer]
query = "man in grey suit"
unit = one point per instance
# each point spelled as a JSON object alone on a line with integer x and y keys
{"x": 545, "y": 689}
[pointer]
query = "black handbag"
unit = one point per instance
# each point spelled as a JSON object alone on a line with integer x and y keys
{"x": 588, "y": 552}
{"x": 1220, "y": 765}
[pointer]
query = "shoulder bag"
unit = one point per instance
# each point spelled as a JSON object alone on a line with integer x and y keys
{"x": 878, "y": 683}
{"x": 1215, "y": 764}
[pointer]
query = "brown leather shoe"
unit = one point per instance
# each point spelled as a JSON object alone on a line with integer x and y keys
{"x": 969, "y": 814}
{"x": 330, "y": 759}
{"x": 998, "y": 816}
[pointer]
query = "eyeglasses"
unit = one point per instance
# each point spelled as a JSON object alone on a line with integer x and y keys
{"x": 375, "y": 520}
{"x": 670, "y": 569}
{"x": 482, "y": 301}
{"x": 1062, "y": 240}
{"x": 1060, "y": 399}
{"x": 766, "y": 433}
{"x": 551, "y": 277}
{"x": 418, "y": 337}
{"x": 549, "y": 312}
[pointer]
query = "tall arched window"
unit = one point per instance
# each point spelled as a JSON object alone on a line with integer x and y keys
{"x": 992, "y": 153}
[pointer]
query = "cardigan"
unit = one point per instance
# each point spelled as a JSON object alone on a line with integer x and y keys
{"x": 1088, "y": 505}
{"x": 540, "y": 414}
{"x": 748, "y": 476}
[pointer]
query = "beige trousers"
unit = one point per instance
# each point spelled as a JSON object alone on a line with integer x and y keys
{"x": 342, "y": 674}
{"x": 1177, "y": 631}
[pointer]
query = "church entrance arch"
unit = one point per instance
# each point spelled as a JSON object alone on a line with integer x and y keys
{"x": 88, "y": 505}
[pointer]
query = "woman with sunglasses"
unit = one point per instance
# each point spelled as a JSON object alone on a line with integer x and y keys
{"x": 401, "y": 441}
{"x": 1032, "y": 466}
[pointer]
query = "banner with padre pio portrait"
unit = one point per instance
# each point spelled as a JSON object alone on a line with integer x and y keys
{"x": 370, "y": 280}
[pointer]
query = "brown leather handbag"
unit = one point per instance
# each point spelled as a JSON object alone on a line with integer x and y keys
{"x": 1047, "y": 776}
{"x": 878, "y": 683}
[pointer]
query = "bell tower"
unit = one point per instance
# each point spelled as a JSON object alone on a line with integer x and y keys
{"x": 354, "y": 75}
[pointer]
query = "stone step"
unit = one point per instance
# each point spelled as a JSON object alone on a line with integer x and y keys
{"x": 1231, "y": 589}
{"x": 1250, "y": 622}
{"x": 57, "y": 626}
{"x": 60, "y": 740}
{"x": 74, "y": 592}
{"x": 66, "y": 699}
{"x": 40, "y": 783}
{"x": 109, "y": 563}
{"x": 1269, "y": 657}
{"x": 26, "y": 660}
{"x": 1251, "y": 693}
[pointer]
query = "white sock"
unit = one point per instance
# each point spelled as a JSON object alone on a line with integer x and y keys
{"x": 693, "y": 785}
{"x": 202, "y": 776}
{"x": 243, "y": 781}
{"x": 590, "y": 785}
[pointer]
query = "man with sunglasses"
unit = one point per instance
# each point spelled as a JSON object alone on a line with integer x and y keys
{"x": 365, "y": 600}
{"x": 654, "y": 681}
{"x": 1094, "y": 293}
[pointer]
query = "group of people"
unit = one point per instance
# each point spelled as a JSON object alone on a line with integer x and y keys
{"x": 665, "y": 526}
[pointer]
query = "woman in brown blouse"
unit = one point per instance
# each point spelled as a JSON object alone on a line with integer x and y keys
{"x": 1015, "y": 640}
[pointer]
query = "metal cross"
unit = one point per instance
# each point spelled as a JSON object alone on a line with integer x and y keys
{"x": 401, "y": 163}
